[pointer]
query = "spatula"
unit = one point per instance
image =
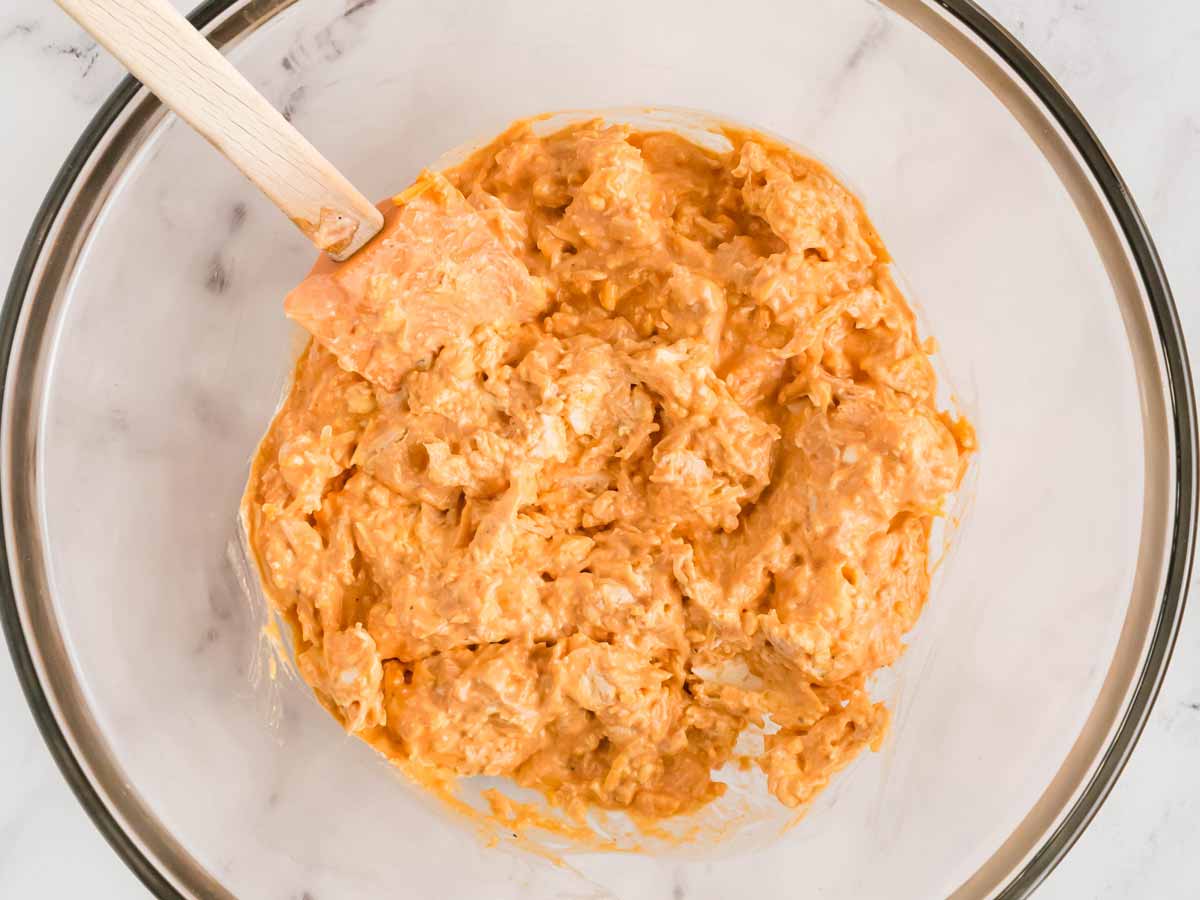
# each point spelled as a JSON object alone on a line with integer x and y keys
{"x": 161, "y": 48}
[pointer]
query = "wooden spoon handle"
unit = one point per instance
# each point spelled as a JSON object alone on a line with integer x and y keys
{"x": 161, "y": 48}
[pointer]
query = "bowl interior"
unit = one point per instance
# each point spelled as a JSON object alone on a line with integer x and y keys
{"x": 166, "y": 352}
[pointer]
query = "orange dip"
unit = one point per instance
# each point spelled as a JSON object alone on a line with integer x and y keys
{"x": 609, "y": 449}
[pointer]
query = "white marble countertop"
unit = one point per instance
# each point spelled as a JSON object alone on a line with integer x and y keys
{"x": 1133, "y": 73}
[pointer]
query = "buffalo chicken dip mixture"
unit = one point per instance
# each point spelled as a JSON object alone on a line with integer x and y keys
{"x": 609, "y": 448}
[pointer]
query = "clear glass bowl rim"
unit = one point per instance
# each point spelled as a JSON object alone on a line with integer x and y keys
{"x": 1176, "y": 373}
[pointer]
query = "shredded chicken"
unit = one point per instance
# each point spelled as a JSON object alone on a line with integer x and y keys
{"x": 601, "y": 418}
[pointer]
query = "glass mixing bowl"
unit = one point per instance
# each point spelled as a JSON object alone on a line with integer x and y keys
{"x": 145, "y": 350}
